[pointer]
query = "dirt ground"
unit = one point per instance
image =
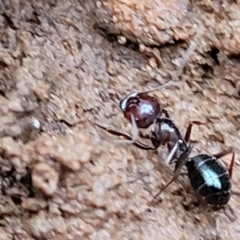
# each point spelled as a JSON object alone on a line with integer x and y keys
{"x": 60, "y": 177}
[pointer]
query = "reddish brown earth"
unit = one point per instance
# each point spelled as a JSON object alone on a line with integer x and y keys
{"x": 59, "y": 72}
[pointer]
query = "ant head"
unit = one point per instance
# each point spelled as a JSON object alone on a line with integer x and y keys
{"x": 143, "y": 107}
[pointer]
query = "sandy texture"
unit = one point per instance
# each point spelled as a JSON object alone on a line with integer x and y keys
{"x": 157, "y": 22}
{"x": 151, "y": 22}
{"x": 59, "y": 180}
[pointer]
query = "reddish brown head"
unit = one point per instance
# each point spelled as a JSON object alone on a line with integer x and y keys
{"x": 143, "y": 107}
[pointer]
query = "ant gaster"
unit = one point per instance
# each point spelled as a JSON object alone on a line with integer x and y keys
{"x": 208, "y": 177}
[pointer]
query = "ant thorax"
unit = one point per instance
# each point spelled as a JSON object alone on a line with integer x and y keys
{"x": 165, "y": 131}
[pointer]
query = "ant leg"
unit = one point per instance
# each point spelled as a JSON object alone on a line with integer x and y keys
{"x": 127, "y": 137}
{"x": 165, "y": 112}
{"x": 144, "y": 136}
{"x": 225, "y": 152}
{"x": 134, "y": 133}
{"x": 189, "y": 129}
{"x": 181, "y": 161}
{"x": 230, "y": 170}
{"x": 172, "y": 152}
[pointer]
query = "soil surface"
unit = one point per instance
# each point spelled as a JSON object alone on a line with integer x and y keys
{"x": 65, "y": 65}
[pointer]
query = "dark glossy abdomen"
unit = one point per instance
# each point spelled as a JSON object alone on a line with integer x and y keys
{"x": 209, "y": 179}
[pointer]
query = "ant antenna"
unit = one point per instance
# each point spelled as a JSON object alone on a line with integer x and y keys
{"x": 165, "y": 85}
{"x": 134, "y": 133}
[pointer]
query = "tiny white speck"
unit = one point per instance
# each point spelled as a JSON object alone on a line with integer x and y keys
{"x": 36, "y": 123}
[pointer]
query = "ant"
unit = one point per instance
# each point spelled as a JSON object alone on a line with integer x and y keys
{"x": 208, "y": 178}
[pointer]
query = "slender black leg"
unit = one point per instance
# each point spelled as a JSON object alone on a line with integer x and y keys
{"x": 224, "y": 153}
{"x": 134, "y": 133}
{"x": 165, "y": 112}
{"x": 144, "y": 136}
{"x": 189, "y": 129}
{"x": 180, "y": 163}
{"x": 127, "y": 137}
